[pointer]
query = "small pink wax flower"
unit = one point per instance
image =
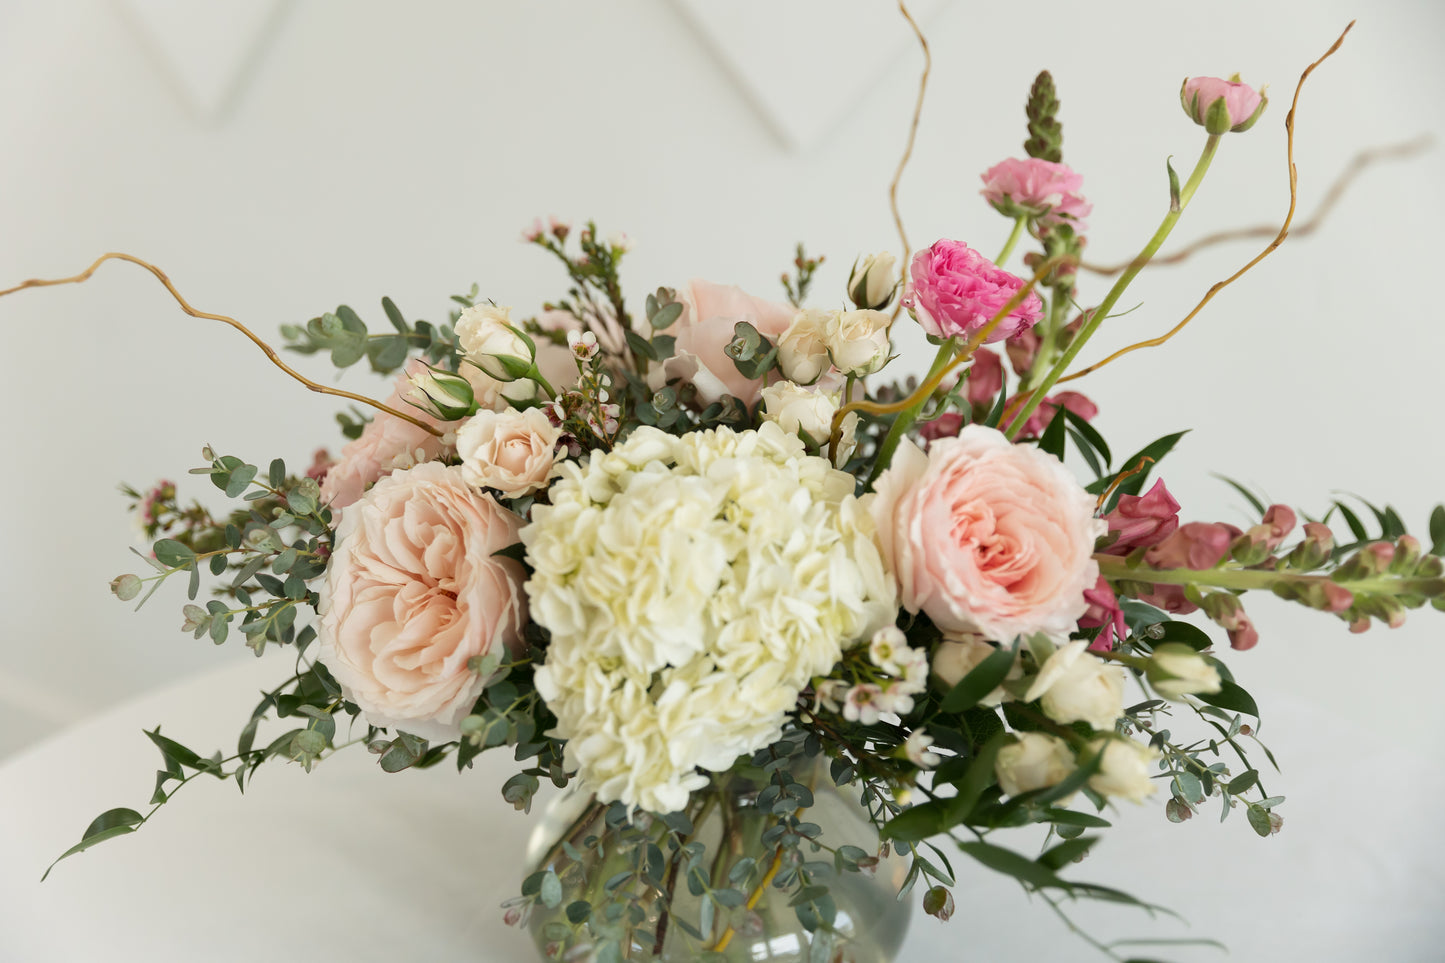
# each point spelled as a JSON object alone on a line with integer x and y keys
{"x": 1038, "y": 188}
{"x": 954, "y": 290}
{"x": 1222, "y": 105}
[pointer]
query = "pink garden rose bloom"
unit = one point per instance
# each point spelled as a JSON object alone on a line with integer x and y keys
{"x": 414, "y": 591}
{"x": 386, "y": 443}
{"x": 954, "y": 290}
{"x": 710, "y": 312}
{"x": 1142, "y": 520}
{"x": 1222, "y": 105}
{"x": 987, "y": 536}
{"x": 1044, "y": 189}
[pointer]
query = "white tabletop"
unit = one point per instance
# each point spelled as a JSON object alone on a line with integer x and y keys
{"x": 350, "y": 863}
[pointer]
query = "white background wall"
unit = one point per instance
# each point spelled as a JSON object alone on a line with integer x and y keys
{"x": 367, "y": 148}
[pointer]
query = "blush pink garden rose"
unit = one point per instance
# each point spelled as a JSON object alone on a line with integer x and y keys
{"x": 514, "y": 452}
{"x": 710, "y": 312}
{"x": 386, "y": 443}
{"x": 987, "y": 536}
{"x": 413, "y": 592}
{"x": 954, "y": 290}
{"x": 1035, "y": 187}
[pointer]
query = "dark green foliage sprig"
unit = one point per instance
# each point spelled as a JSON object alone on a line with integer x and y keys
{"x": 1046, "y": 134}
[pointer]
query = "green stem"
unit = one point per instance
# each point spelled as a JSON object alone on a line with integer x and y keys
{"x": 1053, "y": 324}
{"x": 908, "y": 416}
{"x": 1013, "y": 238}
{"x": 1115, "y": 568}
{"x": 1097, "y": 316}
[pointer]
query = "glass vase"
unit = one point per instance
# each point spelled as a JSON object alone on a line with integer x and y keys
{"x": 602, "y": 862}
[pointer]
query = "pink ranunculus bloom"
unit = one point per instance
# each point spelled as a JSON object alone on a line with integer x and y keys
{"x": 1222, "y": 105}
{"x": 710, "y": 312}
{"x": 1044, "y": 189}
{"x": 1194, "y": 545}
{"x": 1044, "y": 413}
{"x": 386, "y": 443}
{"x": 954, "y": 290}
{"x": 987, "y": 536}
{"x": 413, "y": 592}
{"x": 1104, "y": 611}
{"x": 1142, "y": 520}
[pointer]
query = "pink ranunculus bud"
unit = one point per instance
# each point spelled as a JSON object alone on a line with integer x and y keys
{"x": 985, "y": 379}
{"x": 1143, "y": 520}
{"x": 1033, "y": 187}
{"x": 954, "y": 291}
{"x": 1220, "y": 106}
{"x": 1195, "y": 545}
{"x": 1104, "y": 611}
{"x": 946, "y": 425}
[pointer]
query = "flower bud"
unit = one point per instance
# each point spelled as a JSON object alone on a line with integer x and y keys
{"x": 1225, "y": 610}
{"x": 871, "y": 283}
{"x": 857, "y": 341}
{"x": 1386, "y": 608}
{"x": 1407, "y": 555}
{"x": 1195, "y": 545}
{"x": 441, "y": 394}
{"x": 1220, "y": 106}
{"x": 803, "y": 349}
{"x": 1142, "y": 520}
{"x": 1033, "y": 761}
{"x": 487, "y": 338}
{"x": 1176, "y": 670}
{"x": 1314, "y": 550}
{"x": 1123, "y": 769}
{"x": 125, "y": 587}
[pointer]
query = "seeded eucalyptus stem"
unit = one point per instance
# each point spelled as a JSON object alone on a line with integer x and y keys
{"x": 1101, "y": 312}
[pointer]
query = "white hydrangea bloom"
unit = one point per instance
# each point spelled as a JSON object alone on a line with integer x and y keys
{"x": 693, "y": 586}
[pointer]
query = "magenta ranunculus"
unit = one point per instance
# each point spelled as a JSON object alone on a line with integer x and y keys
{"x": 1037, "y": 188}
{"x": 1222, "y": 105}
{"x": 954, "y": 290}
{"x": 987, "y": 536}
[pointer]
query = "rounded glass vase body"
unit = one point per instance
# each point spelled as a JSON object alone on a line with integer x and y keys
{"x": 663, "y": 923}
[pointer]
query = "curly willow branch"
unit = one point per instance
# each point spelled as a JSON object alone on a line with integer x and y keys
{"x": 1353, "y": 169}
{"x": 186, "y": 307}
{"x": 908, "y": 148}
{"x": 1269, "y": 248}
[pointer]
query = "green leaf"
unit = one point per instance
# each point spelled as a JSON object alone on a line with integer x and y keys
{"x": 551, "y": 891}
{"x": 172, "y": 553}
{"x": 276, "y": 474}
{"x": 1010, "y": 863}
{"x": 394, "y": 315}
{"x": 980, "y": 775}
{"x": 979, "y": 682}
{"x": 1053, "y": 437}
{"x": 1353, "y": 521}
{"x": 1437, "y": 530}
{"x": 666, "y": 315}
{"x": 172, "y": 750}
{"x": 1068, "y": 817}
{"x": 1067, "y": 852}
{"x": 1090, "y": 433}
{"x": 1248, "y": 495}
{"x": 1230, "y": 696}
{"x": 1185, "y": 632}
{"x": 1087, "y": 452}
{"x": 386, "y": 353}
{"x": 1259, "y": 820}
{"x": 240, "y": 478}
{"x": 1243, "y": 782}
{"x": 108, "y": 825}
{"x": 917, "y": 822}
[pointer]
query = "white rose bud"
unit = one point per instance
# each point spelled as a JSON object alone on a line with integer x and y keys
{"x": 487, "y": 338}
{"x": 1176, "y": 670}
{"x": 1123, "y": 770}
{"x": 957, "y": 656}
{"x": 871, "y": 283}
{"x": 1078, "y": 686}
{"x": 1035, "y": 761}
{"x": 802, "y": 350}
{"x": 857, "y": 341}
{"x": 441, "y": 394}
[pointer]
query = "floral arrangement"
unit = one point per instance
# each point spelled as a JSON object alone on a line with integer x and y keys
{"x": 651, "y": 552}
